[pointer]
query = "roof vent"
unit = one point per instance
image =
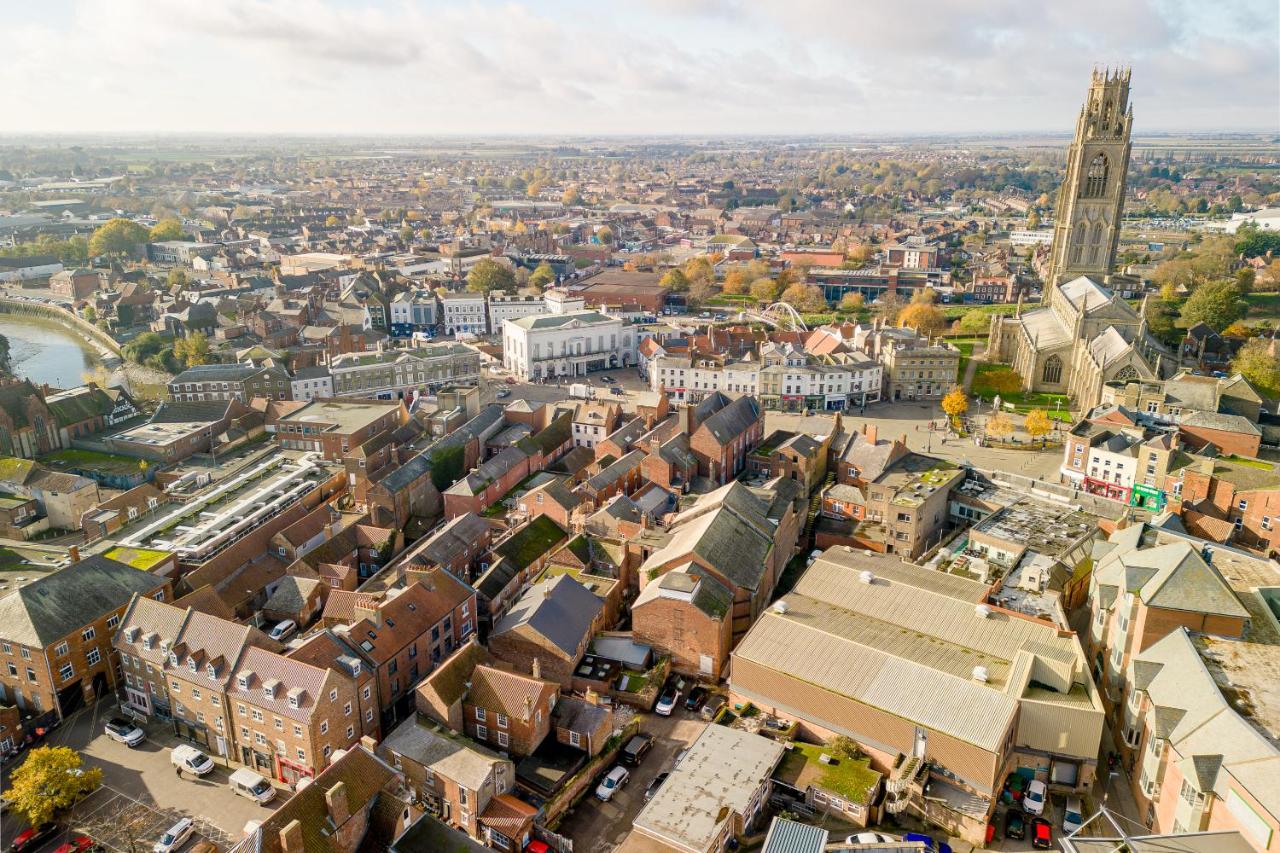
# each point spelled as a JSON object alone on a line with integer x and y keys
{"x": 826, "y": 759}
{"x": 779, "y": 606}
{"x": 867, "y": 576}
{"x": 980, "y": 674}
{"x": 982, "y": 611}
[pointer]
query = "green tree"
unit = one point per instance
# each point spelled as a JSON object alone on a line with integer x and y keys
{"x": 765, "y": 290}
{"x": 1245, "y": 278}
{"x": 406, "y": 233}
{"x": 1254, "y": 242}
{"x": 192, "y": 350}
{"x": 489, "y": 275}
{"x": 117, "y": 237}
{"x": 1256, "y": 362}
{"x": 166, "y": 229}
{"x": 1217, "y": 304}
{"x": 605, "y": 235}
{"x": 542, "y": 276}
{"x": 90, "y": 313}
{"x": 49, "y": 780}
{"x": 674, "y": 280}
{"x": 805, "y": 298}
{"x": 1033, "y": 219}
{"x": 974, "y": 322}
{"x": 177, "y": 277}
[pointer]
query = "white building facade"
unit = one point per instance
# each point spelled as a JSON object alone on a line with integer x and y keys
{"x": 464, "y": 313}
{"x": 573, "y": 344}
{"x": 503, "y": 307}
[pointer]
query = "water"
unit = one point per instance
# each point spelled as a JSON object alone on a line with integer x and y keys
{"x": 44, "y": 351}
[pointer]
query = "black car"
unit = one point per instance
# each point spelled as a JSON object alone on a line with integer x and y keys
{"x": 1015, "y": 825}
{"x": 654, "y": 786}
{"x": 696, "y": 699}
{"x": 636, "y": 749}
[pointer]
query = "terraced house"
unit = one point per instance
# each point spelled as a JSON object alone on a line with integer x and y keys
{"x": 397, "y": 374}
{"x": 240, "y": 382}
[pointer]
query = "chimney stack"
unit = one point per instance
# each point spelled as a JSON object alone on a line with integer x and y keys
{"x": 528, "y": 708}
{"x": 336, "y": 800}
{"x": 537, "y": 667}
{"x": 291, "y": 837}
{"x": 872, "y": 432}
{"x": 74, "y": 551}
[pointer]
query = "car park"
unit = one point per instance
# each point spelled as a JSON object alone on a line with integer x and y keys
{"x": 636, "y": 749}
{"x": 696, "y": 699}
{"x": 1015, "y": 825}
{"x": 190, "y": 759}
{"x": 1033, "y": 799}
{"x": 175, "y": 836}
{"x": 284, "y": 629}
{"x": 1072, "y": 815}
{"x": 502, "y": 394}
{"x": 124, "y": 731}
{"x": 1041, "y": 834}
{"x": 613, "y": 780}
{"x": 655, "y": 785}
{"x": 33, "y": 837}
{"x": 78, "y": 844}
{"x": 667, "y": 701}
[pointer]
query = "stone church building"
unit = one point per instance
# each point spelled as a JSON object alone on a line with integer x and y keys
{"x": 1085, "y": 336}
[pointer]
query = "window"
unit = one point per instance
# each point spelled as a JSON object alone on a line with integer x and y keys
{"x": 297, "y": 730}
{"x": 60, "y": 649}
{"x": 1052, "y": 372}
{"x": 241, "y": 709}
{"x": 1095, "y": 182}
{"x": 257, "y": 715}
{"x": 260, "y": 738}
{"x": 480, "y": 714}
{"x": 8, "y": 649}
{"x": 195, "y": 693}
{"x": 66, "y": 671}
{"x": 482, "y": 733}
{"x": 301, "y": 753}
{"x": 364, "y": 694}
{"x": 1266, "y": 522}
{"x": 324, "y": 727}
{"x": 13, "y": 670}
{"x": 279, "y": 724}
{"x": 575, "y": 739}
{"x": 351, "y": 731}
{"x": 333, "y": 695}
{"x": 88, "y": 634}
{"x": 503, "y": 740}
{"x": 1244, "y": 504}
{"x": 93, "y": 657}
{"x": 31, "y": 674}
{"x": 502, "y": 721}
{"x": 346, "y": 710}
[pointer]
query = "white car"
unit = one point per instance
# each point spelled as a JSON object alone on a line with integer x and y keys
{"x": 124, "y": 731}
{"x": 1033, "y": 799}
{"x": 284, "y": 629}
{"x": 667, "y": 702}
{"x": 609, "y": 786}
{"x": 175, "y": 836}
{"x": 190, "y": 759}
{"x": 871, "y": 838}
{"x": 1072, "y": 816}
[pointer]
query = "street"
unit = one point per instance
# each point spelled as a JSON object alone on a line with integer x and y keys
{"x": 141, "y": 796}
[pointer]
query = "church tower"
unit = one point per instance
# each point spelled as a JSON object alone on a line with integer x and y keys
{"x": 1087, "y": 217}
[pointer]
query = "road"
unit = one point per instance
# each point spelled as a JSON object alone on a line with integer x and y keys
{"x": 141, "y": 795}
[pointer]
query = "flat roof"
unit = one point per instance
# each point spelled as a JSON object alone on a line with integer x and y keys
{"x": 342, "y": 416}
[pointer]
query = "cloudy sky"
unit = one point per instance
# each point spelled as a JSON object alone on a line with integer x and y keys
{"x": 636, "y": 66}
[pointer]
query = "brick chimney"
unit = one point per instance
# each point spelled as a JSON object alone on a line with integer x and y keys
{"x": 336, "y": 800}
{"x": 291, "y": 837}
{"x": 537, "y": 668}
{"x": 871, "y": 432}
{"x": 74, "y": 552}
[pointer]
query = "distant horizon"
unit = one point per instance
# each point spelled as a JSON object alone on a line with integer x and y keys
{"x": 482, "y": 68}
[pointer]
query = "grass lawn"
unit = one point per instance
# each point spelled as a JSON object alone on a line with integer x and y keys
{"x": 985, "y": 385}
{"x": 1263, "y": 305}
{"x": 851, "y": 778}
{"x": 1004, "y": 309}
{"x": 91, "y": 459}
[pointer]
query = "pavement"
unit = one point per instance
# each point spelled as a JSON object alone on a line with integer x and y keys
{"x": 601, "y": 827}
{"x": 141, "y": 796}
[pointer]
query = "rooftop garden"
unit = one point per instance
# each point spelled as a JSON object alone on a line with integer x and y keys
{"x": 74, "y": 458}
{"x": 531, "y": 541}
{"x": 144, "y": 559}
{"x": 849, "y": 777}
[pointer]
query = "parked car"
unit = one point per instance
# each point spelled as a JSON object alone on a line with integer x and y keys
{"x": 667, "y": 701}
{"x": 175, "y": 836}
{"x": 1041, "y": 834}
{"x": 78, "y": 844}
{"x": 1072, "y": 815}
{"x": 246, "y": 783}
{"x": 30, "y": 839}
{"x": 636, "y": 749}
{"x": 1015, "y": 825}
{"x": 284, "y": 629}
{"x": 1033, "y": 799}
{"x": 696, "y": 699}
{"x": 502, "y": 394}
{"x": 713, "y": 706}
{"x": 655, "y": 785}
{"x": 613, "y": 780}
{"x": 125, "y": 731}
{"x": 928, "y": 842}
{"x": 871, "y": 838}
{"x": 190, "y": 759}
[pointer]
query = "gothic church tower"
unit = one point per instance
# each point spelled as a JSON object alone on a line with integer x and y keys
{"x": 1091, "y": 201}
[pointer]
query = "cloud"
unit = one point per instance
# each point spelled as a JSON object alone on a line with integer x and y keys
{"x": 659, "y": 66}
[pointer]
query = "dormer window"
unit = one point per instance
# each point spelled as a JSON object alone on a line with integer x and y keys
{"x": 211, "y": 671}
{"x": 191, "y": 664}
{"x": 293, "y": 701}
{"x": 242, "y": 680}
{"x": 147, "y": 643}
{"x": 173, "y": 659}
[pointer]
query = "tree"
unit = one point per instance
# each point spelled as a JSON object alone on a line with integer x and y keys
{"x": 924, "y": 317}
{"x": 956, "y": 403}
{"x": 999, "y": 426}
{"x": 699, "y": 269}
{"x": 117, "y": 237}
{"x": 489, "y": 275}
{"x": 542, "y": 276}
{"x": 166, "y": 229}
{"x": 6, "y": 366}
{"x": 1256, "y": 363}
{"x": 887, "y": 307}
{"x": 48, "y": 782}
{"x": 90, "y": 313}
{"x": 805, "y": 298}
{"x": 406, "y": 233}
{"x": 605, "y": 235}
{"x": 852, "y": 302}
{"x": 1245, "y": 277}
{"x": 1238, "y": 329}
{"x": 1217, "y": 304}
{"x": 1254, "y": 242}
{"x": 1033, "y": 219}
{"x": 924, "y": 296}
{"x": 675, "y": 281}
{"x": 1037, "y": 423}
{"x": 736, "y": 281}
{"x": 571, "y": 197}
{"x": 843, "y": 747}
{"x": 764, "y": 290}
{"x": 192, "y": 350}
{"x": 701, "y": 289}
{"x": 974, "y": 322}
{"x": 331, "y": 221}
{"x": 177, "y": 277}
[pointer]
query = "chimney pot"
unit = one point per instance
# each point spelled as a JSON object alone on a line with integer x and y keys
{"x": 336, "y": 800}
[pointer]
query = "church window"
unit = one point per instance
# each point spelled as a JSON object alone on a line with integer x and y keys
{"x": 1077, "y": 244}
{"x": 1126, "y": 373}
{"x": 1052, "y": 370}
{"x": 1095, "y": 182}
{"x": 1096, "y": 251}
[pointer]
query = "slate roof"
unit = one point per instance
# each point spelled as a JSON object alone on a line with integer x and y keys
{"x": 51, "y": 607}
{"x": 291, "y": 595}
{"x": 1173, "y": 576}
{"x": 616, "y": 471}
{"x": 729, "y": 530}
{"x": 80, "y": 404}
{"x": 181, "y": 412}
{"x": 1218, "y": 421}
{"x": 444, "y": 753}
{"x": 451, "y": 541}
{"x": 559, "y": 609}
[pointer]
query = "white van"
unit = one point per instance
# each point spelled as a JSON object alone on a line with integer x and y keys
{"x": 190, "y": 759}
{"x": 246, "y": 783}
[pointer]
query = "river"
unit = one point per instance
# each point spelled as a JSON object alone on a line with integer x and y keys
{"x": 43, "y": 351}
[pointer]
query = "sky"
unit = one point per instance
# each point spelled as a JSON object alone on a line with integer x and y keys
{"x": 685, "y": 67}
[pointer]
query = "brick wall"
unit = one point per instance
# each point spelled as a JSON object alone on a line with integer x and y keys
{"x": 655, "y": 623}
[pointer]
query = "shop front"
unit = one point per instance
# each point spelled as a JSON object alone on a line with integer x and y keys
{"x": 1110, "y": 491}
{"x": 1147, "y": 497}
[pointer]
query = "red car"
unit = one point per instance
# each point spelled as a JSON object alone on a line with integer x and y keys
{"x": 1041, "y": 834}
{"x": 31, "y": 838}
{"x": 78, "y": 844}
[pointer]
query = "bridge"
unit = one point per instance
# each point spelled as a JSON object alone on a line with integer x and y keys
{"x": 779, "y": 315}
